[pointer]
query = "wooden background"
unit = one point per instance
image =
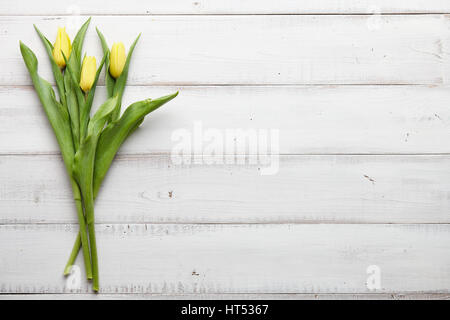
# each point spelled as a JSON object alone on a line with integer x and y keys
{"x": 363, "y": 107}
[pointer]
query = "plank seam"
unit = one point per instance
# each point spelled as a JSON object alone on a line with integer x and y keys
{"x": 275, "y": 85}
{"x": 400, "y": 293}
{"x": 229, "y": 224}
{"x": 264, "y": 85}
{"x": 167, "y": 154}
{"x": 228, "y": 14}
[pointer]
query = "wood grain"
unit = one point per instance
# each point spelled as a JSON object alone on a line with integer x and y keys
{"x": 310, "y": 120}
{"x": 361, "y": 103}
{"x": 204, "y": 259}
{"x": 306, "y": 189}
{"x": 224, "y": 296}
{"x": 117, "y": 7}
{"x": 273, "y": 49}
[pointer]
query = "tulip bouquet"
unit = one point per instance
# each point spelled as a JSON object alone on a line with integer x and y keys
{"x": 88, "y": 144}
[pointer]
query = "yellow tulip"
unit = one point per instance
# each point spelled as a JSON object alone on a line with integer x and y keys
{"x": 117, "y": 59}
{"x": 88, "y": 71}
{"x": 62, "y": 44}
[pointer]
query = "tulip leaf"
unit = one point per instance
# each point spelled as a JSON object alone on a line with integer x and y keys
{"x": 109, "y": 80}
{"x": 55, "y": 68}
{"x": 98, "y": 121}
{"x": 116, "y": 133}
{"x": 103, "y": 41}
{"x": 58, "y": 117}
{"x": 83, "y": 165}
{"x": 119, "y": 87}
{"x": 71, "y": 78}
{"x": 56, "y": 113}
{"x": 77, "y": 45}
{"x": 83, "y": 171}
{"x": 72, "y": 107}
{"x": 84, "y": 117}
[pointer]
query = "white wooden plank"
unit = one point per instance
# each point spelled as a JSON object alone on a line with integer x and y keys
{"x": 319, "y": 120}
{"x": 279, "y": 296}
{"x": 45, "y": 7}
{"x": 177, "y": 259}
{"x": 306, "y": 189}
{"x": 325, "y": 49}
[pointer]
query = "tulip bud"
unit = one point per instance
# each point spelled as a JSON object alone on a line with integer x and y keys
{"x": 62, "y": 44}
{"x": 88, "y": 72}
{"x": 117, "y": 59}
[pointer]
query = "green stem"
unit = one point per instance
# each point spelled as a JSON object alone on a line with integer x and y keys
{"x": 75, "y": 250}
{"x": 93, "y": 242}
{"x": 73, "y": 255}
{"x": 89, "y": 203}
{"x": 83, "y": 171}
{"x": 84, "y": 243}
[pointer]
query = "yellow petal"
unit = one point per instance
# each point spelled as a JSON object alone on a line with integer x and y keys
{"x": 117, "y": 59}
{"x": 88, "y": 71}
{"x": 62, "y": 45}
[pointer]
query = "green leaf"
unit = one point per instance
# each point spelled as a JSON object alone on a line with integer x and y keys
{"x": 119, "y": 87}
{"x": 100, "y": 117}
{"x": 77, "y": 45}
{"x": 83, "y": 171}
{"x": 56, "y": 113}
{"x": 72, "y": 108}
{"x": 115, "y": 134}
{"x": 110, "y": 82}
{"x": 84, "y": 117}
{"x": 55, "y": 68}
{"x": 83, "y": 165}
{"x": 71, "y": 78}
{"x": 58, "y": 117}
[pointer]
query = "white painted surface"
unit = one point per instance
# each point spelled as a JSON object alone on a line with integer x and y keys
{"x": 225, "y": 296}
{"x": 117, "y": 7}
{"x": 364, "y": 179}
{"x": 281, "y": 258}
{"x": 272, "y": 49}
{"x": 319, "y": 120}
{"x": 307, "y": 189}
